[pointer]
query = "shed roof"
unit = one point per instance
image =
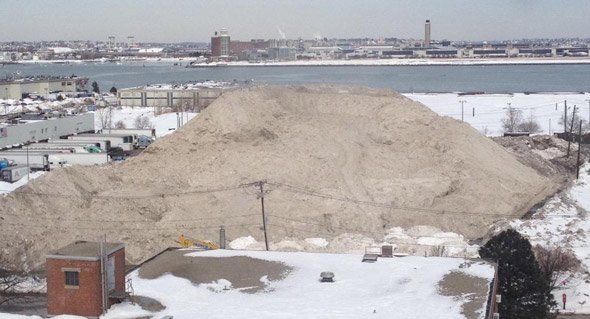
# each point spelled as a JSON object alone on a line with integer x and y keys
{"x": 84, "y": 250}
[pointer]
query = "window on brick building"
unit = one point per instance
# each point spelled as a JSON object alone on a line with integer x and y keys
{"x": 72, "y": 278}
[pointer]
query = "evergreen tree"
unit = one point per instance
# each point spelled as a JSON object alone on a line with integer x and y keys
{"x": 113, "y": 90}
{"x": 526, "y": 292}
{"x": 95, "y": 88}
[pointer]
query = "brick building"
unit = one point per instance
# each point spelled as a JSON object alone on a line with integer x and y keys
{"x": 220, "y": 44}
{"x": 75, "y": 283}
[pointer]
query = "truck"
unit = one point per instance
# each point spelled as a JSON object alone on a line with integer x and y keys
{"x": 87, "y": 159}
{"x": 4, "y": 163}
{"x": 36, "y": 161}
{"x": 104, "y": 145}
{"x": 126, "y": 142}
{"x": 62, "y": 148}
{"x": 74, "y": 147}
{"x": 47, "y": 160}
{"x": 151, "y": 132}
{"x": 14, "y": 173}
{"x": 144, "y": 141}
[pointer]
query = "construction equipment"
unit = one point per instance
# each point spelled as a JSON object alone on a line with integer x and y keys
{"x": 186, "y": 242}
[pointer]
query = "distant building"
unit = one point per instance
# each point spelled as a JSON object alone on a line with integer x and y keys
{"x": 20, "y": 88}
{"x": 220, "y": 44}
{"x": 187, "y": 96}
{"x": 427, "y": 34}
{"x": 84, "y": 281}
{"x": 18, "y": 131}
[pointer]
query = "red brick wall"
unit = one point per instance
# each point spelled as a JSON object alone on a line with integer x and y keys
{"x": 84, "y": 301}
{"x": 215, "y": 46}
{"x": 119, "y": 269}
{"x": 87, "y": 299}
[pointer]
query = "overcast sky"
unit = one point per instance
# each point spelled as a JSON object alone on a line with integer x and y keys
{"x": 196, "y": 20}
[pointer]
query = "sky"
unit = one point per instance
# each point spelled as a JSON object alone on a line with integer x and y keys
{"x": 196, "y": 20}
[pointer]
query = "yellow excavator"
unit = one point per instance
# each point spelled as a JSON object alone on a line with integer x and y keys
{"x": 186, "y": 242}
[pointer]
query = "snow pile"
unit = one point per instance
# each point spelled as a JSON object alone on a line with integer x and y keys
{"x": 418, "y": 240}
{"x": 6, "y": 187}
{"x": 389, "y": 288}
{"x": 242, "y": 243}
{"x": 338, "y": 161}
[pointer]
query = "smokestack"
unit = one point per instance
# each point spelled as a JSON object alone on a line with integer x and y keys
{"x": 427, "y": 34}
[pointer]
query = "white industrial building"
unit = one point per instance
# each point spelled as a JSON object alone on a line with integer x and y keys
{"x": 18, "y": 132}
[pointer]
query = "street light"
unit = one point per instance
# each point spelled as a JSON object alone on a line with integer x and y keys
{"x": 462, "y": 109}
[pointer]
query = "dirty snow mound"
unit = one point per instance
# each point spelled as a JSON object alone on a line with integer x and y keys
{"x": 337, "y": 160}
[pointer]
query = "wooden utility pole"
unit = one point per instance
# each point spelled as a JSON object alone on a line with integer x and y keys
{"x": 579, "y": 148}
{"x": 569, "y": 138}
{"x": 260, "y": 184}
{"x": 565, "y": 116}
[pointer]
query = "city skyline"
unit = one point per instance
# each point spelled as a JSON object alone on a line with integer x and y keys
{"x": 195, "y": 21}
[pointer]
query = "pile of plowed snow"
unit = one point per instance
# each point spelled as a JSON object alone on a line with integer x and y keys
{"x": 336, "y": 160}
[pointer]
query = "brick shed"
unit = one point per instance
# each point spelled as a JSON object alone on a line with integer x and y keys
{"x": 74, "y": 280}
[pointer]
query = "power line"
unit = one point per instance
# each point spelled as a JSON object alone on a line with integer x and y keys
{"x": 111, "y": 228}
{"x": 129, "y": 220}
{"x": 153, "y": 195}
{"x": 304, "y": 191}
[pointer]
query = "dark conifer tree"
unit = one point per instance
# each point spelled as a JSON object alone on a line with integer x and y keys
{"x": 95, "y": 88}
{"x": 526, "y": 292}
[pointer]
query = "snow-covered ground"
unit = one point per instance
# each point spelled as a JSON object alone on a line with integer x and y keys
{"x": 564, "y": 222}
{"x": 486, "y": 111}
{"x": 390, "y": 288}
{"x": 164, "y": 123}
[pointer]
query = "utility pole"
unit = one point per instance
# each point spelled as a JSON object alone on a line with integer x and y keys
{"x": 260, "y": 184}
{"x": 222, "y": 237}
{"x": 462, "y": 109}
{"x": 110, "y": 117}
{"x": 579, "y": 147}
{"x": 565, "y": 116}
{"x": 569, "y": 137}
{"x": 28, "y": 166}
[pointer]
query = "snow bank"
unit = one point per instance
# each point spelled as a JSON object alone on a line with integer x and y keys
{"x": 563, "y": 222}
{"x": 6, "y": 187}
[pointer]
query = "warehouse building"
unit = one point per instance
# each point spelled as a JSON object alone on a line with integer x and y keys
{"x": 43, "y": 86}
{"x": 37, "y": 127}
{"x": 187, "y": 97}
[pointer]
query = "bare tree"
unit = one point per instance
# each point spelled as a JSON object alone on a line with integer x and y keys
{"x": 9, "y": 282}
{"x": 484, "y": 131}
{"x": 512, "y": 119}
{"x": 120, "y": 124}
{"x": 530, "y": 125}
{"x": 576, "y": 121}
{"x": 142, "y": 122}
{"x": 554, "y": 262}
{"x": 104, "y": 116}
{"x": 438, "y": 251}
